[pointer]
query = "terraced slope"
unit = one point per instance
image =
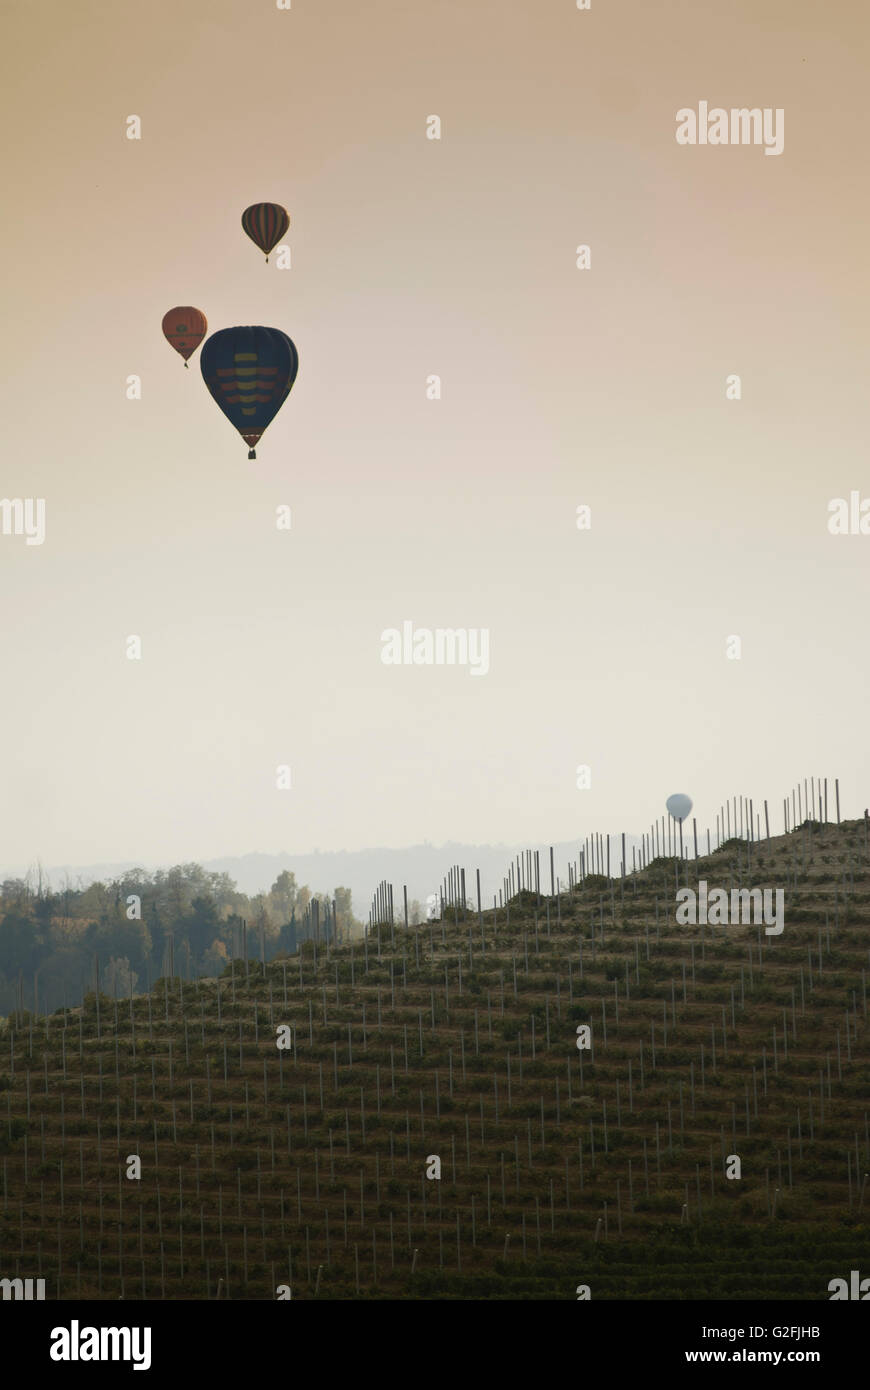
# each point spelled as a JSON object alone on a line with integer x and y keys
{"x": 307, "y": 1167}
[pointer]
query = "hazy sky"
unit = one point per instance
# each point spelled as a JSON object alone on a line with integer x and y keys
{"x": 560, "y": 387}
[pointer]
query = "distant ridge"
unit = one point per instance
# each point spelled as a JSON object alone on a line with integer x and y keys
{"x": 421, "y": 867}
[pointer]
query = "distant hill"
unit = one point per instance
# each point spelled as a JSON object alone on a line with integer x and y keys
{"x": 420, "y": 867}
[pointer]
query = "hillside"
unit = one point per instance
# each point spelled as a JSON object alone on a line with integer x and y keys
{"x": 307, "y": 1166}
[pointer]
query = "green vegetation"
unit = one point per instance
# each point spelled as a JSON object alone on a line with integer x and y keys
{"x": 458, "y": 1039}
{"x": 188, "y": 919}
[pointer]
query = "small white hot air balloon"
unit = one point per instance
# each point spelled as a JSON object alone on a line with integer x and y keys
{"x": 679, "y": 805}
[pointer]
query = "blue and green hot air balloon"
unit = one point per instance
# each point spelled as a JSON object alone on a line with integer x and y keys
{"x": 249, "y": 372}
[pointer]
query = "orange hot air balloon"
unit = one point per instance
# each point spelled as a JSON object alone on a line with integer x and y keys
{"x": 265, "y": 224}
{"x": 184, "y": 328}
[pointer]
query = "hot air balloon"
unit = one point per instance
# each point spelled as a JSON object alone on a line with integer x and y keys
{"x": 249, "y": 371}
{"x": 184, "y": 328}
{"x": 679, "y": 805}
{"x": 265, "y": 224}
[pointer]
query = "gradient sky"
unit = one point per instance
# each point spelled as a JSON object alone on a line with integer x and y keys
{"x": 560, "y": 387}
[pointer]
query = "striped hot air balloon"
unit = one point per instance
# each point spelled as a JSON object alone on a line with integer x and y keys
{"x": 265, "y": 224}
{"x": 249, "y": 372}
{"x": 184, "y": 329}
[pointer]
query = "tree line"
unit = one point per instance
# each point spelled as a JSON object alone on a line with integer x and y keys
{"x": 135, "y": 928}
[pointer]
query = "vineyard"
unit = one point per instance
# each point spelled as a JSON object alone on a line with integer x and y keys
{"x": 304, "y": 1166}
